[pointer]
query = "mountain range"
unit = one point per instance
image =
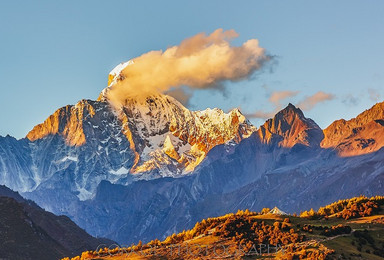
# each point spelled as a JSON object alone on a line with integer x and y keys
{"x": 152, "y": 167}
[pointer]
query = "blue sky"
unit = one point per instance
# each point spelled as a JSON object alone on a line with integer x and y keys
{"x": 55, "y": 53}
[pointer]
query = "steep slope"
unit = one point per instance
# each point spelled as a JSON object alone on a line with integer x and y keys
{"x": 29, "y": 232}
{"x": 76, "y": 148}
{"x": 16, "y": 165}
{"x": 21, "y": 238}
{"x": 360, "y": 135}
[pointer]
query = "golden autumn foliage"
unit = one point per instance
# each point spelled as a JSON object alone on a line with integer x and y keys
{"x": 312, "y": 251}
{"x": 300, "y": 238}
{"x": 361, "y": 206}
{"x": 265, "y": 210}
{"x": 311, "y": 214}
{"x": 244, "y": 230}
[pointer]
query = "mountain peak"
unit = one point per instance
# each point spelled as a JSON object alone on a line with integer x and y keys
{"x": 290, "y": 127}
{"x": 276, "y": 210}
{"x": 113, "y": 77}
{"x": 291, "y": 109}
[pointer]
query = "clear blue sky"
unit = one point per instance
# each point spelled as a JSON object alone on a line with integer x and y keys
{"x": 54, "y": 53}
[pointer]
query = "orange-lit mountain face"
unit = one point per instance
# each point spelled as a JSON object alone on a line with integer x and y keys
{"x": 360, "y": 135}
{"x": 290, "y": 127}
{"x": 67, "y": 121}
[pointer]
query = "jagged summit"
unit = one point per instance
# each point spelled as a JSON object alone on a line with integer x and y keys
{"x": 153, "y": 119}
{"x": 290, "y": 127}
{"x": 376, "y": 112}
{"x": 291, "y": 107}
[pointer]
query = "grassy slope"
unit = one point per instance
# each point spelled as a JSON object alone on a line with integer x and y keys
{"x": 345, "y": 246}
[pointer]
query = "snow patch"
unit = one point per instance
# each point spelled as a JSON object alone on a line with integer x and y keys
{"x": 84, "y": 194}
{"x": 120, "y": 171}
{"x": 120, "y": 67}
{"x": 69, "y": 158}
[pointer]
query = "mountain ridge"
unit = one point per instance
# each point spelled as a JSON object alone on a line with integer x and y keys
{"x": 362, "y": 134}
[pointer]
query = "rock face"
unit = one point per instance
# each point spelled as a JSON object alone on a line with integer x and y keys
{"x": 152, "y": 167}
{"x": 360, "y": 135}
{"x": 68, "y": 122}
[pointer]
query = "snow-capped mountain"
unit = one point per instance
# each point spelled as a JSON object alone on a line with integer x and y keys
{"x": 151, "y": 167}
{"x": 149, "y": 137}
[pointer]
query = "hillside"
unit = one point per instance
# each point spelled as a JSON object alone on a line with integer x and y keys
{"x": 252, "y": 235}
{"x": 29, "y": 232}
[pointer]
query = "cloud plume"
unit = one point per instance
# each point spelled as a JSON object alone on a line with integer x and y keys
{"x": 350, "y": 100}
{"x": 374, "y": 95}
{"x": 275, "y": 98}
{"x": 202, "y": 61}
{"x": 310, "y": 102}
{"x": 278, "y": 96}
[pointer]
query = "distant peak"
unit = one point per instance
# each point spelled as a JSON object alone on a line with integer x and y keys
{"x": 289, "y": 113}
{"x": 276, "y": 210}
{"x": 292, "y": 106}
{"x": 293, "y": 127}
